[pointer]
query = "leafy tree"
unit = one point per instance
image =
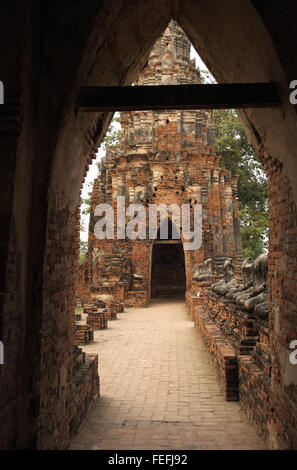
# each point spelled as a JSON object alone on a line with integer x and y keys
{"x": 112, "y": 138}
{"x": 87, "y": 201}
{"x": 238, "y": 155}
{"x": 83, "y": 246}
{"x": 83, "y": 251}
{"x": 113, "y": 135}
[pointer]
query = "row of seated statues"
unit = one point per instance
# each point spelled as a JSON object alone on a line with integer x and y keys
{"x": 249, "y": 295}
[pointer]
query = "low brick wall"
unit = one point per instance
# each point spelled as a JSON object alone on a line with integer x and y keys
{"x": 97, "y": 319}
{"x": 254, "y": 393}
{"x": 237, "y": 325}
{"x": 83, "y": 333}
{"x": 238, "y": 345}
{"x": 85, "y": 391}
{"x": 136, "y": 299}
{"x": 222, "y": 355}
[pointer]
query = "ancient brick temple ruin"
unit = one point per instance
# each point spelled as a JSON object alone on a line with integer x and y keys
{"x": 165, "y": 157}
{"x": 46, "y": 147}
{"x": 169, "y": 157}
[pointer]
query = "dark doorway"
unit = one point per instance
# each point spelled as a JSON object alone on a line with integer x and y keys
{"x": 168, "y": 269}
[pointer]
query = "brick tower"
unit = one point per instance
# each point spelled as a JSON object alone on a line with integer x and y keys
{"x": 164, "y": 157}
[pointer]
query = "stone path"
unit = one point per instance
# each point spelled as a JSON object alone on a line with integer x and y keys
{"x": 158, "y": 390}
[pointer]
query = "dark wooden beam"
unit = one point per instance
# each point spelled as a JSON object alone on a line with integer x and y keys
{"x": 138, "y": 98}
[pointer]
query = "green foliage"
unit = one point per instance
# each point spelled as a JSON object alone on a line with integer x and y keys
{"x": 83, "y": 251}
{"x": 82, "y": 257}
{"x": 83, "y": 246}
{"x": 238, "y": 155}
{"x": 113, "y": 135}
{"x": 87, "y": 201}
{"x": 253, "y": 231}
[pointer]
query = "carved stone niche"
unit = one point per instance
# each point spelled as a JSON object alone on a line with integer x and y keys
{"x": 203, "y": 271}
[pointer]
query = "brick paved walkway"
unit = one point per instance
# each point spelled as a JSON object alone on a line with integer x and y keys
{"x": 158, "y": 390}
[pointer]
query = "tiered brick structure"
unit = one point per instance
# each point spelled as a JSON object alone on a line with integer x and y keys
{"x": 164, "y": 157}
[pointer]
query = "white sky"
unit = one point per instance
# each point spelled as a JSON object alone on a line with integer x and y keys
{"x": 93, "y": 170}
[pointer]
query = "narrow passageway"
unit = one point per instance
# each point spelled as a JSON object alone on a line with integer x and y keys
{"x": 158, "y": 390}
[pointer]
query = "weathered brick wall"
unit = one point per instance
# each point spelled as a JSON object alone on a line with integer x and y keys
{"x": 232, "y": 334}
{"x": 85, "y": 389}
{"x": 82, "y": 286}
{"x": 64, "y": 398}
{"x": 10, "y": 334}
{"x": 254, "y": 393}
{"x": 237, "y": 325}
{"x": 282, "y": 279}
{"x": 222, "y": 355}
{"x": 57, "y": 328}
{"x": 267, "y": 379}
{"x": 36, "y": 327}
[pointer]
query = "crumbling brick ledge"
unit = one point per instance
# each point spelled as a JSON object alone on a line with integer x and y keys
{"x": 254, "y": 393}
{"x": 222, "y": 356}
{"x": 85, "y": 390}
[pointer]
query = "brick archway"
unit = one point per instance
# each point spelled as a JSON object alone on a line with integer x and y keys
{"x": 45, "y": 160}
